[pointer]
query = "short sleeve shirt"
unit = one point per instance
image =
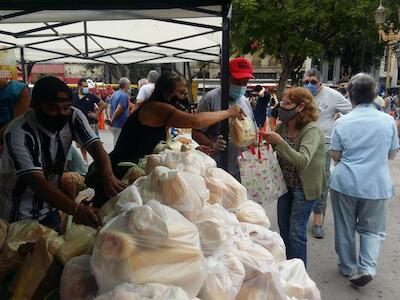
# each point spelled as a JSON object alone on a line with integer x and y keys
{"x": 31, "y": 148}
{"x": 145, "y": 92}
{"x": 365, "y": 136}
{"x": 120, "y": 98}
{"x": 86, "y": 104}
{"x": 212, "y": 102}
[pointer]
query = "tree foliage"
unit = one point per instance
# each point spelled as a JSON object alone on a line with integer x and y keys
{"x": 292, "y": 30}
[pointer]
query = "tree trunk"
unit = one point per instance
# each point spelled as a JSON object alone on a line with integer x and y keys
{"x": 283, "y": 79}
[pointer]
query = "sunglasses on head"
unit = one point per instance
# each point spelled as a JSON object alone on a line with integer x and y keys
{"x": 314, "y": 82}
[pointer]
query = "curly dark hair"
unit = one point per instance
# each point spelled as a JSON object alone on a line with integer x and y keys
{"x": 310, "y": 113}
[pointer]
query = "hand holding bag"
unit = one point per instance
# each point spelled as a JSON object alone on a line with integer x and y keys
{"x": 261, "y": 174}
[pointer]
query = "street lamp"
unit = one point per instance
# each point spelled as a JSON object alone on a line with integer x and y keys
{"x": 391, "y": 37}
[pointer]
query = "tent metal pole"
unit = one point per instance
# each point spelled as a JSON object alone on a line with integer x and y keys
{"x": 23, "y": 65}
{"x": 102, "y": 48}
{"x": 62, "y": 54}
{"x": 85, "y": 35}
{"x": 21, "y": 33}
{"x": 225, "y": 82}
{"x": 65, "y": 39}
{"x": 18, "y": 14}
{"x": 54, "y": 40}
{"x": 180, "y": 22}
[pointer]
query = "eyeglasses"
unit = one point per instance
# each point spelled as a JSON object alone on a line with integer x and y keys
{"x": 313, "y": 82}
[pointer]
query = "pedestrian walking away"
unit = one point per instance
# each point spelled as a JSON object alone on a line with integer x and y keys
{"x": 362, "y": 144}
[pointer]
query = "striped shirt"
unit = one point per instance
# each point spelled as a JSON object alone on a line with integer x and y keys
{"x": 29, "y": 148}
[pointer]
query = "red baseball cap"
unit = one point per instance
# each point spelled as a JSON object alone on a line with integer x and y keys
{"x": 241, "y": 68}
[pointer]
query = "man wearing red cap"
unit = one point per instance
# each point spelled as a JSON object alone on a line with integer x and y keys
{"x": 240, "y": 72}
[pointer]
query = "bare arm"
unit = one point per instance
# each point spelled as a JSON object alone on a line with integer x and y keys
{"x": 101, "y": 106}
{"x": 336, "y": 155}
{"x": 112, "y": 185}
{"x": 120, "y": 109}
{"x": 20, "y": 107}
{"x": 162, "y": 114}
{"x": 22, "y": 104}
{"x": 49, "y": 193}
{"x": 201, "y": 138}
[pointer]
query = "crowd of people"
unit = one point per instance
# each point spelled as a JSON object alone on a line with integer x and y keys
{"x": 41, "y": 171}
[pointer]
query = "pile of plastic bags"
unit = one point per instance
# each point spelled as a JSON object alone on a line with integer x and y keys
{"x": 186, "y": 230}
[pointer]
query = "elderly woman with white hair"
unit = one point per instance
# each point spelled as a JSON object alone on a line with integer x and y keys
{"x": 362, "y": 143}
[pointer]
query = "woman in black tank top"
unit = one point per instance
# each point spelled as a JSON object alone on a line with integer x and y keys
{"x": 147, "y": 126}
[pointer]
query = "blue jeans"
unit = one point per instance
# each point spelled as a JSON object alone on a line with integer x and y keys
{"x": 368, "y": 218}
{"x": 293, "y": 214}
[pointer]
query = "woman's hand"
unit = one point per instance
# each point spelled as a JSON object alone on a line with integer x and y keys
{"x": 236, "y": 111}
{"x": 273, "y": 138}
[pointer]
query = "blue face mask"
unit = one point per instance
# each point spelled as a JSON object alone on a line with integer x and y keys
{"x": 85, "y": 90}
{"x": 312, "y": 88}
{"x": 237, "y": 91}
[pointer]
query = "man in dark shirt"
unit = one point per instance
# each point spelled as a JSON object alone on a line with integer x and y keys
{"x": 90, "y": 105}
{"x": 260, "y": 111}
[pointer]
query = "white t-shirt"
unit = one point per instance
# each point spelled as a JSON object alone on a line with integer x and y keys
{"x": 330, "y": 102}
{"x": 28, "y": 148}
{"x": 145, "y": 92}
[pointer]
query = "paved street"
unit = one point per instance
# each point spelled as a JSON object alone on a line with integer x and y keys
{"x": 322, "y": 258}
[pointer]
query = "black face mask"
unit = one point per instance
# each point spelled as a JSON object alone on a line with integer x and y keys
{"x": 52, "y": 123}
{"x": 287, "y": 114}
{"x": 343, "y": 91}
{"x": 181, "y": 104}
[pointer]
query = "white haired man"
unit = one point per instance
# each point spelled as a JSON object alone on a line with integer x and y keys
{"x": 146, "y": 90}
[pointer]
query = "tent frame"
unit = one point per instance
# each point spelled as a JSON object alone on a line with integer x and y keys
{"x": 96, "y": 56}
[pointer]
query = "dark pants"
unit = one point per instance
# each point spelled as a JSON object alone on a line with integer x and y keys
{"x": 293, "y": 214}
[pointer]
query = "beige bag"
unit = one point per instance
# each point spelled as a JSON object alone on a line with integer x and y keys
{"x": 242, "y": 132}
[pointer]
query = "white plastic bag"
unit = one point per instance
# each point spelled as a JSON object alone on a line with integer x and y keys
{"x": 224, "y": 189}
{"x": 132, "y": 174}
{"x": 216, "y": 227}
{"x": 150, "y": 291}
{"x": 263, "y": 286}
{"x": 77, "y": 281}
{"x": 115, "y": 205}
{"x": 150, "y": 243}
{"x": 255, "y": 258}
{"x": 296, "y": 281}
{"x": 225, "y": 278}
{"x": 243, "y": 132}
{"x": 191, "y": 161}
{"x": 78, "y": 240}
{"x": 253, "y": 213}
{"x": 184, "y": 191}
{"x": 270, "y": 240}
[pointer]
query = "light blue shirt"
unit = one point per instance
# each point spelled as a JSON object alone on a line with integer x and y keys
{"x": 365, "y": 136}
